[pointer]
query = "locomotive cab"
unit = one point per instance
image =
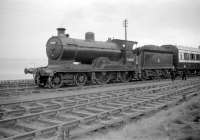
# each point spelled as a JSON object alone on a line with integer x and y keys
{"x": 129, "y": 58}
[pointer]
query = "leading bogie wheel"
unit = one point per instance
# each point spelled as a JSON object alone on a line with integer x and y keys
{"x": 55, "y": 81}
{"x": 38, "y": 81}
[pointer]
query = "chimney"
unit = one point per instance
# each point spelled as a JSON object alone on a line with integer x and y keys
{"x": 61, "y": 31}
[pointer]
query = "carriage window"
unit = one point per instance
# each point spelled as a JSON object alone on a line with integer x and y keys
{"x": 186, "y": 56}
{"x": 198, "y": 56}
{"x": 192, "y": 57}
{"x": 180, "y": 56}
{"x": 195, "y": 56}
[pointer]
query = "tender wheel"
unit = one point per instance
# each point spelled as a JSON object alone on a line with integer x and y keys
{"x": 164, "y": 74}
{"x": 102, "y": 77}
{"x": 55, "y": 81}
{"x": 125, "y": 77}
{"x": 80, "y": 79}
{"x": 144, "y": 76}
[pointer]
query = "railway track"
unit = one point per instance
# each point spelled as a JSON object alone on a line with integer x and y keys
{"x": 21, "y": 90}
{"x": 16, "y": 107}
{"x": 71, "y": 116}
{"x": 32, "y": 89}
{"x": 18, "y": 84}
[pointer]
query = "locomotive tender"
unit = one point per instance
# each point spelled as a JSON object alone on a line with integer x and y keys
{"x": 76, "y": 61}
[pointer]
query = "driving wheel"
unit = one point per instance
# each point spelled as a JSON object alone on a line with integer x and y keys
{"x": 80, "y": 79}
{"x": 102, "y": 77}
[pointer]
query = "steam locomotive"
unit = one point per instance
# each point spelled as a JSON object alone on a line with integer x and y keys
{"x": 78, "y": 62}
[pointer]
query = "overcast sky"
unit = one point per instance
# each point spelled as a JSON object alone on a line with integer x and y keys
{"x": 27, "y": 24}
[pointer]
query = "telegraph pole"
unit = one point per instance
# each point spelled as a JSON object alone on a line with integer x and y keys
{"x": 125, "y": 23}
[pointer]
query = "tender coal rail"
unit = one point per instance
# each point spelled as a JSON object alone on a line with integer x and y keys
{"x": 72, "y": 116}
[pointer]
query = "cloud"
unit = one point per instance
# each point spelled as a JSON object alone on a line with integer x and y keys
{"x": 26, "y": 25}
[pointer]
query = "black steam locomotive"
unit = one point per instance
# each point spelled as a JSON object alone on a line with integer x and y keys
{"x": 75, "y": 61}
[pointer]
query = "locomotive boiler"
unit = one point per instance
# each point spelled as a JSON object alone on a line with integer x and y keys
{"x": 62, "y": 48}
{"x": 77, "y": 61}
